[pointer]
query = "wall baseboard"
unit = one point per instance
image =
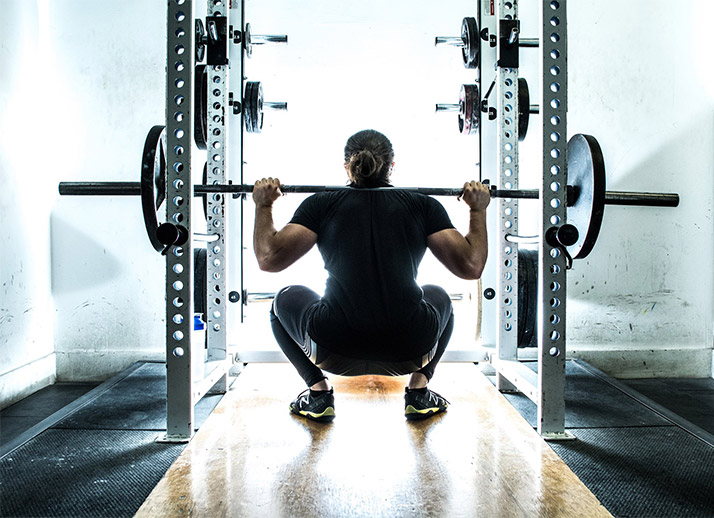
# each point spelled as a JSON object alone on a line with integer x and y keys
{"x": 649, "y": 363}
{"x": 76, "y": 366}
{"x": 23, "y": 381}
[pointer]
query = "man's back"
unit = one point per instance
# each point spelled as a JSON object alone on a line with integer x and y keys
{"x": 372, "y": 243}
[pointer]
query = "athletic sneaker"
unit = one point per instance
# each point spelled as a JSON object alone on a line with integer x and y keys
{"x": 419, "y": 405}
{"x": 318, "y": 408}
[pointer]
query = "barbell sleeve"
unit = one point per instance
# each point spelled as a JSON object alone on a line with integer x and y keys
{"x": 642, "y": 199}
{"x": 444, "y": 107}
{"x": 275, "y": 106}
{"x": 451, "y": 41}
{"x": 529, "y": 42}
{"x": 100, "y": 188}
{"x": 262, "y": 39}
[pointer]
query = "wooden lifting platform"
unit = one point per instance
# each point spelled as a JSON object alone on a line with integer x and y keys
{"x": 253, "y": 458}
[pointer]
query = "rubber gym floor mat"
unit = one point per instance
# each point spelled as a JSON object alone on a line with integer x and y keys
{"x": 653, "y": 472}
{"x": 637, "y": 458}
{"x": 83, "y": 473}
{"x": 98, "y": 457}
{"x": 590, "y": 402}
{"x": 138, "y": 402}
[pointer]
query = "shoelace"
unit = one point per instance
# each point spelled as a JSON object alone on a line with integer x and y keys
{"x": 436, "y": 397}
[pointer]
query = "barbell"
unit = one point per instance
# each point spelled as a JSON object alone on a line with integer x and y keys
{"x": 470, "y": 106}
{"x": 468, "y": 42}
{"x": 252, "y": 106}
{"x": 586, "y": 195}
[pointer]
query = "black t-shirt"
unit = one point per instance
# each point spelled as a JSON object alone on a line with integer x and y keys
{"x": 372, "y": 243}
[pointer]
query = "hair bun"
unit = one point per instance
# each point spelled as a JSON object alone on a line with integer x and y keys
{"x": 368, "y": 155}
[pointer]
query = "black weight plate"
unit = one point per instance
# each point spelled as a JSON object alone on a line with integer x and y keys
{"x": 200, "y": 110}
{"x": 247, "y": 43}
{"x": 199, "y": 38}
{"x": 586, "y": 176}
{"x": 470, "y": 114}
{"x": 153, "y": 179}
{"x": 527, "y": 297}
{"x": 258, "y": 121}
{"x": 470, "y": 36}
{"x": 247, "y": 113}
{"x": 524, "y": 108}
{"x": 200, "y": 272}
{"x": 205, "y": 195}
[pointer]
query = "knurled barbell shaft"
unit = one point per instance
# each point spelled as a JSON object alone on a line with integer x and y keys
{"x": 643, "y": 199}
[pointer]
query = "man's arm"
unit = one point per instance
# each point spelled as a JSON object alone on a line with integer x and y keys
{"x": 276, "y": 250}
{"x": 465, "y": 256}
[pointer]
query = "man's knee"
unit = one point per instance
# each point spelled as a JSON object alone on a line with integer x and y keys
{"x": 437, "y": 296}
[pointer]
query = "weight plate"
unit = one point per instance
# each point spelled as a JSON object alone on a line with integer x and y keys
{"x": 253, "y": 107}
{"x": 247, "y": 43}
{"x": 199, "y": 39}
{"x": 200, "y": 295}
{"x": 205, "y": 195}
{"x": 524, "y": 108}
{"x": 258, "y": 121}
{"x": 470, "y": 37}
{"x": 469, "y": 114}
{"x": 247, "y": 112}
{"x": 586, "y": 176}
{"x": 527, "y": 297}
{"x": 200, "y": 111}
{"x": 153, "y": 181}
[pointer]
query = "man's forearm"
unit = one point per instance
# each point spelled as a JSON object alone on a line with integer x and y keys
{"x": 263, "y": 232}
{"x": 477, "y": 238}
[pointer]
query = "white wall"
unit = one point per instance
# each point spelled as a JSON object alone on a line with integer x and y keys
{"x": 26, "y": 308}
{"x": 641, "y": 81}
{"x": 109, "y": 63}
{"x": 83, "y": 81}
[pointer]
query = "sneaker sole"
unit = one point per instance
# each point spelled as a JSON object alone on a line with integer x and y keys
{"x": 414, "y": 414}
{"x": 323, "y": 417}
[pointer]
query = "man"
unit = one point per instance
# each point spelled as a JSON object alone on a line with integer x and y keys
{"x": 373, "y": 318}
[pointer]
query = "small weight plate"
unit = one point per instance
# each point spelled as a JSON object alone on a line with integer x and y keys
{"x": 469, "y": 114}
{"x": 247, "y": 111}
{"x": 200, "y": 294}
{"x": 199, "y": 39}
{"x": 258, "y": 120}
{"x": 586, "y": 176}
{"x": 247, "y": 43}
{"x": 252, "y": 107}
{"x": 200, "y": 111}
{"x": 204, "y": 196}
{"x": 524, "y": 108}
{"x": 153, "y": 181}
{"x": 470, "y": 37}
{"x": 527, "y": 297}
